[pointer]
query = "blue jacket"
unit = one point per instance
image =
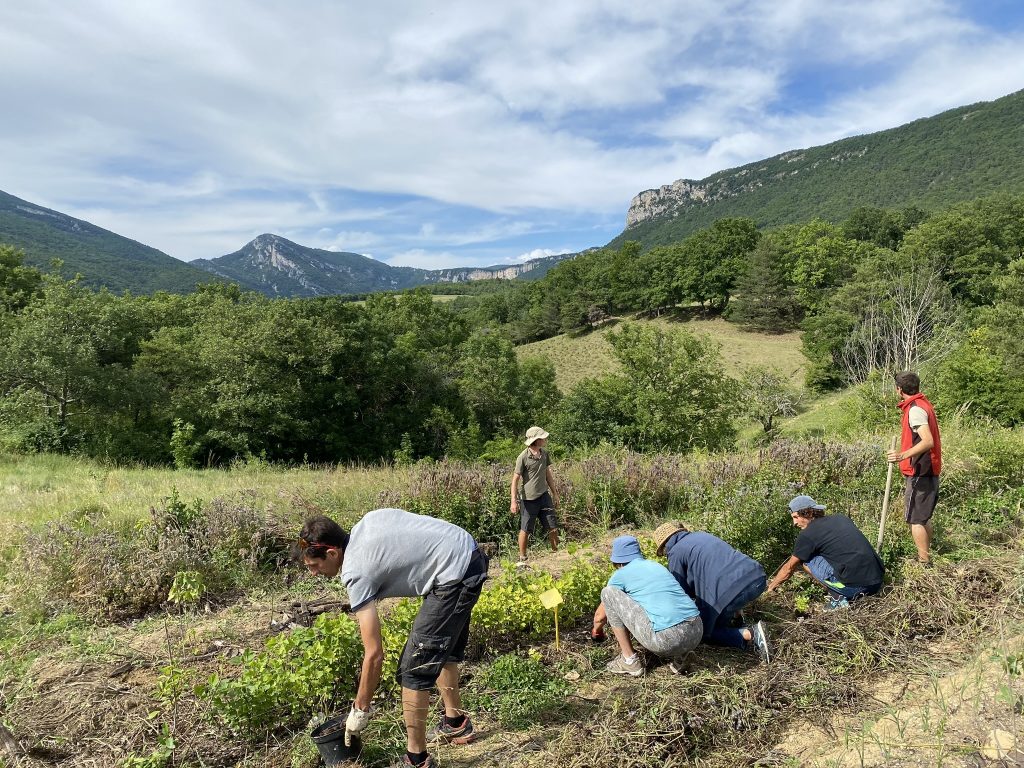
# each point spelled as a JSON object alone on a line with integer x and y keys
{"x": 710, "y": 571}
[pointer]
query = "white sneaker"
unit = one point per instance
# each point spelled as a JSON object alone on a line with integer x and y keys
{"x": 760, "y": 641}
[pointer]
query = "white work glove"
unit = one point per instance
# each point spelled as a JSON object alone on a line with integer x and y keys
{"x": 357, "y": 721}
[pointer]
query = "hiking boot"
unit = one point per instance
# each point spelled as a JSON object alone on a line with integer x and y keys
{"x": 619, "y": 666}
{"x": 452, "y": 734}
{"x": 405, "y": 762}
{"x": 759, "y": 640}
{"x": 837, "y": 604}
{"x": 521, "y": 563}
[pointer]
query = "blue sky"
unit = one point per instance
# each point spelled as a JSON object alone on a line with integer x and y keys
{"x": 458, "y": 133}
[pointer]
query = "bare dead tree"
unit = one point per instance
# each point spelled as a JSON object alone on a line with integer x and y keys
{"x": 910, "y": 325}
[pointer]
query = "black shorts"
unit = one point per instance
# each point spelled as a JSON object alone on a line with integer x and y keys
{"x": 922, "y": 494}
{"x": 542, "y": 508}
{"x": 441, "y": 628}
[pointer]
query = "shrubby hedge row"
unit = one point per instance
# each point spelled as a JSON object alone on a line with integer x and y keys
{"x": 121, "y": 569}
{"x": 740, "y": 497}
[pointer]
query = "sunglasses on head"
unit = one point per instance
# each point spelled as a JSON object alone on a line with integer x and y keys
{"x": 314, "y": 548}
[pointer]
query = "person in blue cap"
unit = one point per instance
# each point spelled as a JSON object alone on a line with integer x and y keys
{"x": 833, "y": 551}
{"x": 644, "y": 602}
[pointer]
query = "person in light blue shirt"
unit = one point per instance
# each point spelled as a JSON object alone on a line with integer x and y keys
{"x": 644, "y": 602}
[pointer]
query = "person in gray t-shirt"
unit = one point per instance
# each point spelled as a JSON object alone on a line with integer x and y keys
{"x": 393, "y": 553}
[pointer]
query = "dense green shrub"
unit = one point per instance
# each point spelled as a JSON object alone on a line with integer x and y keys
{"x": 298, "y": 673}
{"x": 510, "y": 609}
{"x": 978, "y": 456}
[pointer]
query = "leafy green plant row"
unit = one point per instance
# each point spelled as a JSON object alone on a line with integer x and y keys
{"x": 312, "y": 669}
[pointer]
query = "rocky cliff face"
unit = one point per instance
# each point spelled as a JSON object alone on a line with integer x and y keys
{"x": 683, "y": 194}
{"x": 509, "y": 272}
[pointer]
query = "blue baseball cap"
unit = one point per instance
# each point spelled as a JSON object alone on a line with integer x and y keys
{"x": 804, "y": 502}
{"x": 625, "y": 549}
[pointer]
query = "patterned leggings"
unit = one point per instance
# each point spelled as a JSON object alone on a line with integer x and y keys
{"x": 624, "y": 611}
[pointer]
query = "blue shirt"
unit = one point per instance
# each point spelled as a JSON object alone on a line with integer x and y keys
{"x": 710, "y": 571}
{"x": 656, "y": 591}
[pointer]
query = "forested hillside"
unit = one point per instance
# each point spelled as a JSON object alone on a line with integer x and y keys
{"x": 103, "y": 258}
{"x": 931, "y": 163}
{"x": 221, "y": 374}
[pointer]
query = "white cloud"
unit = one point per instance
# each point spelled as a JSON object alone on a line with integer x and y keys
{"x": 424, "y": 259}
{"x": 539, "y": 253}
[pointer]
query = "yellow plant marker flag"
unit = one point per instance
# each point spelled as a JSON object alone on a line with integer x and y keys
{"x": 551, "y": 600}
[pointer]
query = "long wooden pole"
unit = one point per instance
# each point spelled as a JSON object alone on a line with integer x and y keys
{"x": 885, "y": 500}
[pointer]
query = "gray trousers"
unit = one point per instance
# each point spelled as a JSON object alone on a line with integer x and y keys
{"x": 624, "y": 611}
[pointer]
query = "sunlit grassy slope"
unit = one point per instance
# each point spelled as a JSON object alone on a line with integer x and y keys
{"x": 589, "y": 355}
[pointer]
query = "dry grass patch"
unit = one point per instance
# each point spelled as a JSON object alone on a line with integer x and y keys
{"x": 589, "y": 355}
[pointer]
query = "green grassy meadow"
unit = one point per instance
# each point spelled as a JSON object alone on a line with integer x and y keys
{"x": 37, "y": 488}
{"x": 589, "y": 355}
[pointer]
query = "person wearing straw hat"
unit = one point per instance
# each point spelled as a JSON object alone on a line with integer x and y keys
{"x": 834, "y": 552}
{"x": 534, "y": 495}
{"x": 394, "y": 553}
{"x": 721, "y": 581}
{"x": 644, "y": 602}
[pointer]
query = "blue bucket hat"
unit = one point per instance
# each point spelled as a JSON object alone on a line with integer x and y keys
{"x": 804, "y": 502}
{"x": 625, "y": 549}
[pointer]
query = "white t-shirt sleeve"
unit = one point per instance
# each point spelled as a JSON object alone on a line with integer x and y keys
{"x": 918, "y": 417}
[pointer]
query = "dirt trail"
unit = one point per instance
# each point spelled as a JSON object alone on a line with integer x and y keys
{"x": 946, "y": 718}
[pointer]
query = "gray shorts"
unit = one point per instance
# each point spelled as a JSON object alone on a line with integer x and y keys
{"x": 921, "y": 496}
{"x": 541, "y": 508}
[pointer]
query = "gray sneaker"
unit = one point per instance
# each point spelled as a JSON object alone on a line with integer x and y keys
{"x": 620, "y": 666}
{"x": 760, "y": 641}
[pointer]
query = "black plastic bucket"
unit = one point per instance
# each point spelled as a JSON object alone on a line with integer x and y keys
{"x": 330, "y": 741}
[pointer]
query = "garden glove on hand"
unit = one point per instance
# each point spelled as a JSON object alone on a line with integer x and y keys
{"x": 357, "y": 721}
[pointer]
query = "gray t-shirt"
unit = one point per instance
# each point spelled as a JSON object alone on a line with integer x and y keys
{"x": 533, "y": 470}
{"x": 393, "y": 553}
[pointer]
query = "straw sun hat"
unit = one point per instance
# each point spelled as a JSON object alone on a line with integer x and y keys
{"x": 664, "y": 532}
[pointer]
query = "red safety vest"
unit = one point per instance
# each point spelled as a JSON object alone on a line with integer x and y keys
{"x": 929, "y": 463}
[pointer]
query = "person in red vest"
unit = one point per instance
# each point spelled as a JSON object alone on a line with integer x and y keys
{"x": 920, "y": 460}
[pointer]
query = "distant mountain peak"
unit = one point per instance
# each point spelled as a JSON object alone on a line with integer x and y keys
{"x": 276, "y": 266}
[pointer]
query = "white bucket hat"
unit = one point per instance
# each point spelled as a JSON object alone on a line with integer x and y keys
{"x": 533, "y": 434}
